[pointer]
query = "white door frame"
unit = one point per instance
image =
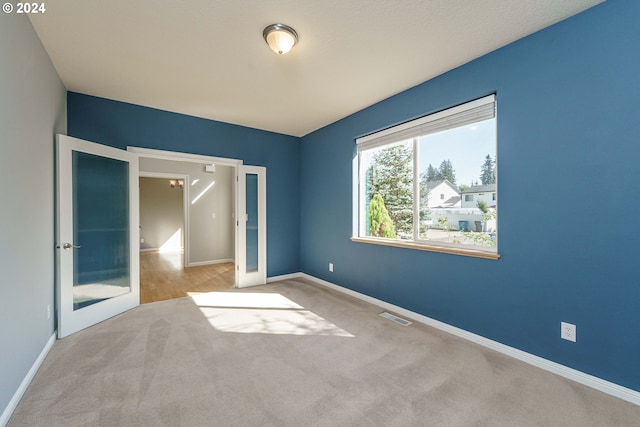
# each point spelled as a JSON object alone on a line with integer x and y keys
{"x": 183, "y": 157}
{"x": 185, "y": 206}
{"x": 70, "y": 320}
{"x": 198, "y": 158}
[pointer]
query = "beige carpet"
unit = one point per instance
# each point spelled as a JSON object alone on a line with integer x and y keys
{"x": 293, "y": 354}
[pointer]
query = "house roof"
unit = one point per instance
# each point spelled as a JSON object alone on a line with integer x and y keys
{"x": 487, "y": 188}
{"x": 451, "y": 201}
{"x": 433, "y": 184}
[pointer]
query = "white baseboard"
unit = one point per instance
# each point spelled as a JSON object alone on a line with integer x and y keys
{"x": 13, "y": 403}
{"x": 604, "y": 386}
{"x": 215, "y": 261}
{"x": 284, "y": 277}
{"x": 165, "y": 251}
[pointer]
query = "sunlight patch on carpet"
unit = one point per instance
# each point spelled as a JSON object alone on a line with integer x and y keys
{"x": 243, "y": 300}
{"x": 262, "y": 313}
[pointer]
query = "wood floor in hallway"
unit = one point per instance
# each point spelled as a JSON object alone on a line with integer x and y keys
{"x": 163, "y": 277}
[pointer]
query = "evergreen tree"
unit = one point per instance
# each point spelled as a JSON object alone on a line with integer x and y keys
{"x": 431, "y": 174}
{"x": 391, "y": 176}
{"x": 380, "y": 224}
{"x": 488, "y": 171}
{"x": 423, "y": 207}
{"x": 446, "y": 171}
{"x": 424, "y": 189}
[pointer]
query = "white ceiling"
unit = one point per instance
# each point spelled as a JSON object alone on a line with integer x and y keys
{"x": 207, "y": 58}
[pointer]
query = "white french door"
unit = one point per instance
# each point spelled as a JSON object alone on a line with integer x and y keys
{"x": 97, "y": 233}
{"x": 251, "y": 223}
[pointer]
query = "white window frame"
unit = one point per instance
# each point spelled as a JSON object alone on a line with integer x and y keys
{"x": 467, "y": 113}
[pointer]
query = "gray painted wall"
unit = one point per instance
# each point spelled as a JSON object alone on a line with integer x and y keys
{"x": 32, "y": 111}
{"x": 210, "y": 239}
{"x": 161, "y": 213}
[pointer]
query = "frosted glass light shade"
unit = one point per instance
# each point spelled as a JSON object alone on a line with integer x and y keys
{"x": 280, "y": 38}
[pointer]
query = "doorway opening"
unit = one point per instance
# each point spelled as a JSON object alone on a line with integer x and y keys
{"x": 209, "y": 250}
{"x": 165, "y": 268}
{"x": 186, "y": 228}
{"x": 247, "y": 236}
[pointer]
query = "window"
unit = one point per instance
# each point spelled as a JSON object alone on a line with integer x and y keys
{"x": 401, "y": 169}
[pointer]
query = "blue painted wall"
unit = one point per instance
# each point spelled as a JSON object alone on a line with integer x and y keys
{"x": 120, "y": 125}
{"x": 568, "y": 153}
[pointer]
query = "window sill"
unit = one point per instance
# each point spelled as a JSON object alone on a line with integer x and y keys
{"x": 429, "y": 248}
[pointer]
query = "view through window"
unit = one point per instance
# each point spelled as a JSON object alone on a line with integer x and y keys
{"x": 433, "y": 181}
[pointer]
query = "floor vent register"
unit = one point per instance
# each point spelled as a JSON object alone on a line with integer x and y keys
{"x": 398, "y": 320}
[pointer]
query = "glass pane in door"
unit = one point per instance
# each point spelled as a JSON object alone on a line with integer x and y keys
{"x": 252, "y": 222}
{"x": 101, "y": 229}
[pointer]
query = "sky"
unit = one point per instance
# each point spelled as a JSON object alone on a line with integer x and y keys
{"x": 466, "y": 147}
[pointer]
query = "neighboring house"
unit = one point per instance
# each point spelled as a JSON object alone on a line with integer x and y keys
{"x": 442, "y": 194}
{"x": 471, "y": 195}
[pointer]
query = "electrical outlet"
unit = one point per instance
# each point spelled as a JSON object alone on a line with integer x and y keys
{"x": 141, "y": 240}
{"x": 568, "y": 331}
{"x": 48, "y": 311}
{"x": 331, "y": 267}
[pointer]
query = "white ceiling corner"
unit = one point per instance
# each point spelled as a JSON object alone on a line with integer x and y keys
{"x": 207, "y": 58}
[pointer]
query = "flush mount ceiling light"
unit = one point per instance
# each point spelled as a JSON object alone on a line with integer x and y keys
{"x": 280, "y": 38}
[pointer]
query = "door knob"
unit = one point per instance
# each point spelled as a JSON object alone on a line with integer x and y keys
{"x": 68, "y": 246}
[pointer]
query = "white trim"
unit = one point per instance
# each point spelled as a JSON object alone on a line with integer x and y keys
{"x": 290, "y": 276}
{"x": 183, "y": 157}
{"x": 167, "y": 175}
{"x": 158, "y": 250}
{"x": 186, "y": 213}
{"x": 215, "y": 261}
{"x": 13, "y": 403}
{"x": 150, "y": 250}
{"x": 604, "y": 386}
{"x": 357, "y": 198}
{"x": 416, "y": 189}
{"x": 448, "y": 112}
